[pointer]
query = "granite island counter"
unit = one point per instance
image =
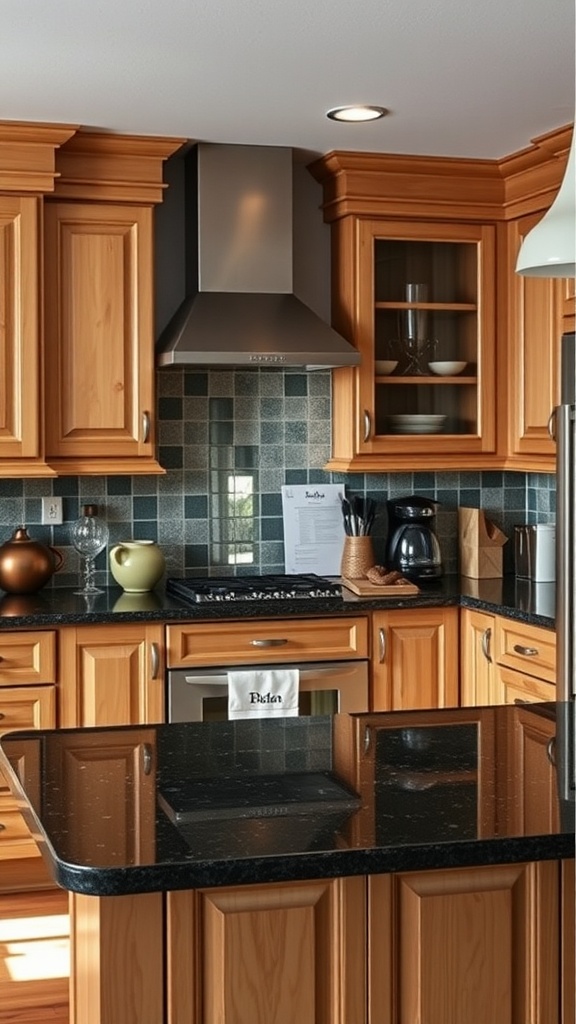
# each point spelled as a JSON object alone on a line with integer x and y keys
{"x": 308, "y": 870}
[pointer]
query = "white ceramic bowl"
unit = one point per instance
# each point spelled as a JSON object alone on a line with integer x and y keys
{"x": 417, "y": 423}
{"x": 447, "y": 368}
{"x": 384, "y": 367}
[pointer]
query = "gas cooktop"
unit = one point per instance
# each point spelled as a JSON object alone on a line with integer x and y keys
{"x": 252, "y": 588}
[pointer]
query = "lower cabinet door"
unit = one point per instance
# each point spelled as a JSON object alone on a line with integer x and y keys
{"x": 34, "y": 958}
{"x": 289, "y": 953}
{"x": 415, "y": 659}
{"x": 475, "y": 945}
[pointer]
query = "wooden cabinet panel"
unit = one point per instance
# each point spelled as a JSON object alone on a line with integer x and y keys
{"x": 415, "y": 661}
{"x": 477, "y": 684}
{"x": 532, "y": 370}
{"x": 100, "y": 375}
{"x": 288, "y": 953}
{"x": 469, "y": 944}
{"x": 261, "y": 640}
{"x": 20, "y": 354}
{"x": 112, "y": 675}
{"x": 27, "y": 658}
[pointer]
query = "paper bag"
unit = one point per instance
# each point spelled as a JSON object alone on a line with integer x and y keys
{"x": 480, "y": 545}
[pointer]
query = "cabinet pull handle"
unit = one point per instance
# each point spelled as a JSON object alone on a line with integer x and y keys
{"x": 528, "y": 652}
{"x": 552, "y": 425}
{"x": 551, "y": 750}
{"x": 382, "y": 644}
{"x": 145, "y": 427}
{"x": 367, "y": 425}
{"x": 2, "y": 715}
{"x": 146, "y": 758}
{"x": 367, "y": 738}
{"x": 486, "y": 639}
{"x": 268, "y": 643}
{"x": 520, "y": 700}
{"x": 154, "y": 660}
{"x": 2, "y": 827}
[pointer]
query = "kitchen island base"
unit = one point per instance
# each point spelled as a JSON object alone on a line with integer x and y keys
{"x": 478, "y": 944}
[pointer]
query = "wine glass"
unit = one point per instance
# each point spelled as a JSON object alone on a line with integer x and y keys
{"x": 89, "y": 536}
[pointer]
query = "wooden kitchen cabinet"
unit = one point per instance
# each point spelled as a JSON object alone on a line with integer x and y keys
{"x": 380, "y": 243}
{"x": 415, "y": 659}
{"x": 532, "y": 371}
{"x": 465, "y": 944}
{"x": 98, "y": 266}
{"x": 112, "y": 675}
{"x": 26, "y": 172}
{"x": 525, "y": 657}
{"x": 477, "y": 670}
{"x": 289, "y": 953}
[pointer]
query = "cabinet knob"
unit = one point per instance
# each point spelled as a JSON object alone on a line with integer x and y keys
{"x": 3, "y": 827}
{"x": 2, "y": 715}
{"x": 527, "y": 652}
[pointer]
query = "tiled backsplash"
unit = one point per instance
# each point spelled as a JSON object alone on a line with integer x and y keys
{"x": 228, "y": 441}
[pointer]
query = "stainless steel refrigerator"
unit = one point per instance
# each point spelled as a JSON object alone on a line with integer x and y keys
{"x": 565, "y": 434}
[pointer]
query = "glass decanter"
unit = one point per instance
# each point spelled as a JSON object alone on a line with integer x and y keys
{"x": 89, "y": 536}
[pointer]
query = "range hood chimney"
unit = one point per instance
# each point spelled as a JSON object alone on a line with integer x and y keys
{"x": 240, "y": 309}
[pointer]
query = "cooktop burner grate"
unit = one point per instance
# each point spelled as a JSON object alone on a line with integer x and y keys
{"x": 253, "y": 588}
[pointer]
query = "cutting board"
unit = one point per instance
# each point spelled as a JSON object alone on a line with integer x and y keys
{"x": 364, "y": 588}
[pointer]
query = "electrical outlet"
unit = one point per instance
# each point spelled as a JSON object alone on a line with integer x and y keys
{"x": 52, "y": 511}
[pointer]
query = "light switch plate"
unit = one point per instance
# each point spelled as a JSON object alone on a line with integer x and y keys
{"x": 52, "y": 511}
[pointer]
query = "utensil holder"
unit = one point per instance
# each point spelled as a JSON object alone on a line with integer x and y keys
{"x": 357, "y": 557}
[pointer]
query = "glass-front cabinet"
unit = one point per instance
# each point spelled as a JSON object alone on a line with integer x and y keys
{"x": 423, "y": 318}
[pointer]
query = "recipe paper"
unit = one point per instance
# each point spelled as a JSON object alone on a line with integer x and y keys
{"x": 313, "y": 528}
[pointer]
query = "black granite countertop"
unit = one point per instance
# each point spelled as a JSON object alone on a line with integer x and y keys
{"x": 154, "y": 808}
{"x": 58, "y": 606}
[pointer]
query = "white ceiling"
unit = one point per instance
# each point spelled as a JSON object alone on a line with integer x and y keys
{"x": 476, "y": 78}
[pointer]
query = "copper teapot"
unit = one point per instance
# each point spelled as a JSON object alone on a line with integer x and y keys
{"x": 27, "y": 564}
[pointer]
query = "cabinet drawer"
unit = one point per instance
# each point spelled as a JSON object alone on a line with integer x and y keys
{"x": 30, "y": 707}
{"x": 268, "y": 641}
{"x": 528, "y": 649}
{"x": 27, "y": 658}
{"x": 15, "y": 838}
{"x": 520, "y": 688}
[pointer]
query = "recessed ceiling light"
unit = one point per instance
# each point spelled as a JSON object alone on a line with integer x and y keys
{"x": 356, "y": 113}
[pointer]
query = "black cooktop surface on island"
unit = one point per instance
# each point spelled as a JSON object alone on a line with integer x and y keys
{"x": 278, "y": 587}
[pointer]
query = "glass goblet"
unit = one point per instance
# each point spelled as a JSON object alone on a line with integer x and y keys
{"x": 89, "y": 536}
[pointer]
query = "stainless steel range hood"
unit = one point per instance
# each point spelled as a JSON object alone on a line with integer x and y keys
{"x": 240, "y": 309}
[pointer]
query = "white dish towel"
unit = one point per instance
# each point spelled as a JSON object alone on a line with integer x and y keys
{"x": 263, "y": 693}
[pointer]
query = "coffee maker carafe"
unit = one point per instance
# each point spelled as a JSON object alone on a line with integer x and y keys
{"x": 412, "y": 546}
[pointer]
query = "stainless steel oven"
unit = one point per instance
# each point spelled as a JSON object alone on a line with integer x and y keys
{"x": 325, "y": 688}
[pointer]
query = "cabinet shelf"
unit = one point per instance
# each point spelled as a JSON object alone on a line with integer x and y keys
{"x": 421, "y": 379}
{"x": 434, "y": 307}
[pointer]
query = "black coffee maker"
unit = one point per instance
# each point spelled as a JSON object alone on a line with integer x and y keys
{"x": 412, "y": 546}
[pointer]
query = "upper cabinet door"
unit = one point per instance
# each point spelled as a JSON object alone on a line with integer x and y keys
{"x": 20, "y": 400}
{"x": 418, "y": 300}
{"x": 535, "y": 327}
{"x": 426, "y": 308}
{"x": 99, "y": 338}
